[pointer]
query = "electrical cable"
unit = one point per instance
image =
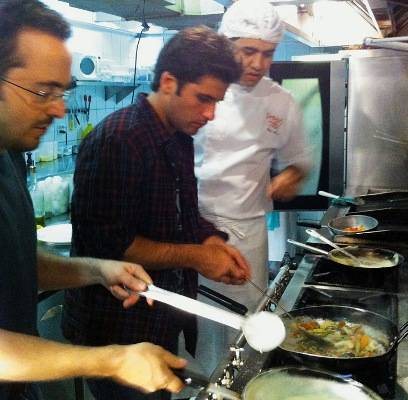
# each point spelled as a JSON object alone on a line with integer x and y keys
{"x": 145, "y": 27}
{"x": 135, "y": 66}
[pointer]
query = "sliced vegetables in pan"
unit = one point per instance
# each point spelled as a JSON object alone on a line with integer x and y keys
{"x": 347, "y": 339}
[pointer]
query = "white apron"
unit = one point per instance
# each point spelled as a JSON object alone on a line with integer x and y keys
{"x": 250, "y": 237}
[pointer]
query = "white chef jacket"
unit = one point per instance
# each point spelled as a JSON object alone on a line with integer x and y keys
{"x": 233, "y": 153}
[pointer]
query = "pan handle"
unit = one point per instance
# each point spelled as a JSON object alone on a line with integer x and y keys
{"x": 306, "y": 246}
{"x": 201, "y": 382}
{"x": 327, "y": 194}
{"x": 193, "y": 379}
{"x": 403, "y": 333}
{"x": 222, "y": 300}
{"x": 308, "y": 224}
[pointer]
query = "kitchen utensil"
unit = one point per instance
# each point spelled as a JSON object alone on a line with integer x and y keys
{"x": 253, "y": 326}
{"x": 237, "y": 307}
{"x": 341, "y": 199}
{"x": 317, "y": 235}
{"x": 371, "y": 258}
{"x": 318, "y": 339}
{"x": 345, "y": 225}
{"x": 289, "y": 383}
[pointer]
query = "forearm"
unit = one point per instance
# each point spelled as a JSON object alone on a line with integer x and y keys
{"x": 295, "y": 173}
{"x": 28, "y": 358}
{"x": 155, "y": 255}
{"x": 55, "y": 272}
{"x": 285, "y": 185}
{"x": 213, "y": 259}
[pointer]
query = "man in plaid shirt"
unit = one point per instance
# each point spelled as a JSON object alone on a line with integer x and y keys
{"x": 135, "y": 199}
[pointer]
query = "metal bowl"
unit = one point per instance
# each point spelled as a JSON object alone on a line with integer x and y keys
{"x": 345, "y": 225}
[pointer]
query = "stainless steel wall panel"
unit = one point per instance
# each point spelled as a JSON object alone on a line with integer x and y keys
{"x": 377, "y": 123}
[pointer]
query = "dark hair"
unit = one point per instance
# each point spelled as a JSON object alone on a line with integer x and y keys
{"x": 195, "y": 52}
{"x": 17, "y": 15}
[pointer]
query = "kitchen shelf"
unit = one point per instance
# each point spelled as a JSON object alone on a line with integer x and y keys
{"x": 118, "y": 89}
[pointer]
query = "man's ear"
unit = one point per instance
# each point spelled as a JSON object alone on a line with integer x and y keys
{"x": 168, "y": 83}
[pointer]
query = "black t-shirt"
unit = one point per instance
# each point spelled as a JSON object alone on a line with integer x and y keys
{"x": 18, "y": 252}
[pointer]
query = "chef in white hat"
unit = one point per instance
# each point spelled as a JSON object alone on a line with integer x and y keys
{"x": 256, "y": 126}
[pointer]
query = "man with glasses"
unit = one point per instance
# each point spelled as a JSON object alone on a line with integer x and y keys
{"x": 34, "y": 74}
{"x": 43, "y": 96}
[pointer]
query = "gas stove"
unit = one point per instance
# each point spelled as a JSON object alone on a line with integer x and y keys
{"x": 391, "y": 211}
{"x": 385, "y": 304}
{"x": 318, "y": 281}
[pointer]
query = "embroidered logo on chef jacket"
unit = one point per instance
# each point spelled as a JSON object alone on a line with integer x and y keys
{"x": 273, "y": 123}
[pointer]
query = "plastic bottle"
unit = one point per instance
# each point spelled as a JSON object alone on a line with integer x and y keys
{"x": 37, "y": 196}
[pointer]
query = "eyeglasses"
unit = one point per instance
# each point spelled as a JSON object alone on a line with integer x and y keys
{"x": 43, "y": 97}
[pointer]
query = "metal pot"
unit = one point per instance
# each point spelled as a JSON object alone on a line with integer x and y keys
{"x": 374, "y": 323}
{"x": 379, "y": 259}
{"x": 289, "y": 383}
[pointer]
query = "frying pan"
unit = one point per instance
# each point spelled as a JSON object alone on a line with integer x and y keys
{"x": 287, "y": 383}
{"x": 343, "y": 225}
{"x": 370, "y": 258}
{"x": 375, "y": 325}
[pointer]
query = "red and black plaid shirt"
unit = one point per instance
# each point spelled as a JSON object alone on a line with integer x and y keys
{"x": 127, "y": 174}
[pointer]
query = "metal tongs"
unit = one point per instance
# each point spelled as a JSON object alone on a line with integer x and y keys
{"x": 315, "y": 234}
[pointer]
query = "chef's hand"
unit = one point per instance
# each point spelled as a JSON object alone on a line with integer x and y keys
{"x": 124, "y": 280}
{"x": 285, "y": 185}
{"x": 223, "y": 262}
{"x": 147, "y": 367}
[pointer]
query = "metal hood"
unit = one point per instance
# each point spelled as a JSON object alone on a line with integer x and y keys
{"x": 382, "y": 18}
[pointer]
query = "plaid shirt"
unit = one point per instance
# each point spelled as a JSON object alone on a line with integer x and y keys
{"x": 133, "y": 178}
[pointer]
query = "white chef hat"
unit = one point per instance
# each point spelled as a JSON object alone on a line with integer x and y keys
{"x": 252, "y": 19}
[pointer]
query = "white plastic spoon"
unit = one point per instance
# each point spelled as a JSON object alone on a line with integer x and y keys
{"x": 264, "y": 331}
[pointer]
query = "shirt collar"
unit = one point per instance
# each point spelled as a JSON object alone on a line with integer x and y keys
{"x": 158, "y": 130}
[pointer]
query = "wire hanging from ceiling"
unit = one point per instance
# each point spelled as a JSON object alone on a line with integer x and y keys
{"x": 145, "y": 28}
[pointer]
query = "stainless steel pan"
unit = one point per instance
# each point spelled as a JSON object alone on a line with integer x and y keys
{"x": 376, "y": 326}
{"x": 288, "y": 383}
{"x": 352, "y": 224}
{"x": 370, "y": 258}
{"x": 347, "y": 225}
